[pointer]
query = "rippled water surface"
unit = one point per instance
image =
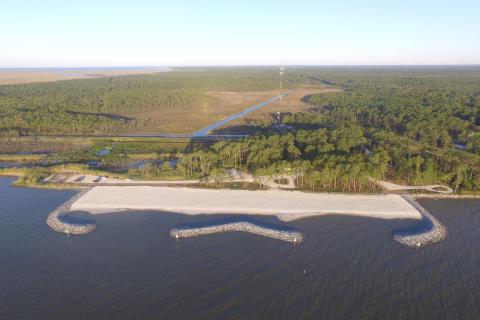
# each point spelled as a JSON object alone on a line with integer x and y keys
{"x": 129, "y": 268}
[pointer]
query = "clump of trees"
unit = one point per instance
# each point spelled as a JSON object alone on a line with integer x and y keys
{"x": 322, "y": 159}
{"x": 34, "y": 176}
{"x": 164, "y": 170}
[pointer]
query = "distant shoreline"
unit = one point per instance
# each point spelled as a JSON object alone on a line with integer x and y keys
{"x": 12, "y": 76}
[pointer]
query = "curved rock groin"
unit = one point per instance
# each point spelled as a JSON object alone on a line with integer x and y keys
{"x": 55, "y": 221}
{"x": 292, "y": 236}
{"x": 431, "y": 230}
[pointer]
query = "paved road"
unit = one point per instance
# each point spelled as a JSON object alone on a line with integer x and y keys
{"x": 185, "y": 136}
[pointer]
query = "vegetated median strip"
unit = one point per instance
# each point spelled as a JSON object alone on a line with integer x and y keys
{"x": 184, "y": 136}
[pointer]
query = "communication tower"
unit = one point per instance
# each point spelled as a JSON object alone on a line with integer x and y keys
{"x": 282, "y": 72}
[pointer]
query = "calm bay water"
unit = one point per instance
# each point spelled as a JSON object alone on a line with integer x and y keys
{"x": 130, "y": 268}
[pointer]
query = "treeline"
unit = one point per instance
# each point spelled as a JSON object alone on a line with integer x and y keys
{"x": 410, "y": 126}
{"x": 138, "y": 100}
{"x": 15, "y": 122}
{"x": 425, "y": 111}
{"x": 323, "y": 159}
{"x": 423, "y": 118}
{"x": 340, "y": 158}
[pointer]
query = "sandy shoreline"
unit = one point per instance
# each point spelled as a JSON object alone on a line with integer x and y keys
{"x": 287, "y": 206}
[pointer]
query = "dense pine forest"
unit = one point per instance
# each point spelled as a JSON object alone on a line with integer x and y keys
{"x": 415, "y": 125}
{"x": 419, "y": 126}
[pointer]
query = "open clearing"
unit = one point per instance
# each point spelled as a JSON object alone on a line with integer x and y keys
{"x": 223, "y": 104}
{"x": 189, "y": 119}
{"x": 293, "y": 102}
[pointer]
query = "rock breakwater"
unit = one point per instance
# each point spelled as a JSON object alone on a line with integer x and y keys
{"x": 430, "y": 230}
{"x": 292, "y": 236}
{"x": 56, "y": 221}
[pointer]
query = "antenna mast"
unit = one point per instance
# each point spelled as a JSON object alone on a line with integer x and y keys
{"x": 282, "y": 72}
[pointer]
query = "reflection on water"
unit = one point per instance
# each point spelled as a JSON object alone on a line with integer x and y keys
{"x": 347, "y": 268}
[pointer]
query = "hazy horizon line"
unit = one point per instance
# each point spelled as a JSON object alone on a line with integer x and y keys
{"x": 237, "y": 66}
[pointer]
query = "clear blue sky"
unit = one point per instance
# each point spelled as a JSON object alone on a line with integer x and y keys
{"x": 50, "y": 33}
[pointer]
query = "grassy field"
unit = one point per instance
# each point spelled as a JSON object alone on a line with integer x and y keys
{"x": 293, "y": 103}
{"x": 187, "y": 119}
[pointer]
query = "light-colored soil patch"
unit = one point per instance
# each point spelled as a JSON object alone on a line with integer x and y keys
{"x": 286, "y": 205}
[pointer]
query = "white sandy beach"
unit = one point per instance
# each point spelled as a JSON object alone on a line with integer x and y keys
{"x": 286, "y": 205}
